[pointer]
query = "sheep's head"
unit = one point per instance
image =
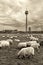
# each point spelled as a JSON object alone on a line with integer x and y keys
{"x": 28, "y": 44}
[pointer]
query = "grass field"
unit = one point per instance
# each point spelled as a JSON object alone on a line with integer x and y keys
{"x": 8, "y": 55}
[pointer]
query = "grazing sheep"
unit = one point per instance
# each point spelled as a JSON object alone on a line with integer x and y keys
{"x": 17, "y": 40}
{"x": 15, "y": 36}
{"x": 31, "y": 42}
{"x": 25, "y": 44}
{"x": 11, "y": 37}
{"x": 10, "y": 41}
{"x": 34, "y": 44}
{"x": 26, "y": 52}
{"x": 4, "y": 43}
{"x": 22, "y": 45}
{"x": 7, "y": 35}
{"x": 33, "y": 38}
{"x": 38, "y": 47}
{"x": 3, "y": 36}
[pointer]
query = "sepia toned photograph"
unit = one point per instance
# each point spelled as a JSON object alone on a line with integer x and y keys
{"x": 21, "y": 32}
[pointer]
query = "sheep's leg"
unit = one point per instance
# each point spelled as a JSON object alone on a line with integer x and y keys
{"x": 26, "y": 55}
{"x": 38, "y": 50}
{"x": 18, "y": 56}
{"x": 0, "y": 47}
{"x": 22, "y": 56}
{"x": 30, "y": 56}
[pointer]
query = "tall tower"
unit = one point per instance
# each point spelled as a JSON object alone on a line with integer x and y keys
{"x": 26, "y": 13}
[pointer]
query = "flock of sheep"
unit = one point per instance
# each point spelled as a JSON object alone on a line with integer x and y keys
{"x": 26, "y": 49}
{"x": 8, "y": 42}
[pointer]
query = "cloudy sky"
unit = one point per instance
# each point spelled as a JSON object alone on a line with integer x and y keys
{"x": 12, "y": 14}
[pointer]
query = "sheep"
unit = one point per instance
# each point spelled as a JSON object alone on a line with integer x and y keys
{"x": 3, "y": 36}
{"x": 30, "y": 42}
{"x": 15, "y": 36}
{"x": 26, "y": 52}
{"x": 34, "y": 45}
{"x": 17, "y": 40}
{"x": 10, "y": 41}
{"x": 33, "y": 38}
{"x": 4, "y": 43}
{"x": 22, "y": 45}
{"x": 11, "y": 37}
{"x": 25, "y": 44}
{"x": 7, "y": 35}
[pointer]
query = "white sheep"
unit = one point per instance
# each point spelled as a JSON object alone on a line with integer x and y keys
{"x": 33, "y": 38}
{"x": 4, "y": 43}
{"x": 11, "y": 37}
{"x": 22, "y": 45}
{"x": 15, "y": 36}
{"x": 26, "y": 52}
{"x": 31, "y": 42}
{"x": 7, "y": 35}
{"x": 25, "y": 44}
{"x": 17, "y": 40}
{"x": 10, "y": 41}
{"x": 3, "y": 36}
{"x": 34, "y": 44}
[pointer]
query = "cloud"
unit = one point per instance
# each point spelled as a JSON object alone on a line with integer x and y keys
{"x": 12, "y": 14}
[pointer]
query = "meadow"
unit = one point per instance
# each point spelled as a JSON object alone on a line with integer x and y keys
{"x": 8, "y": 55}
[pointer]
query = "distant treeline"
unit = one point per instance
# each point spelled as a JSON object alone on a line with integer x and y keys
{"x": 16, "y": 31}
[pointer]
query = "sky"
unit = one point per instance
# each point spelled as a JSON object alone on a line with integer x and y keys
{"x": 12, "y": 14}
